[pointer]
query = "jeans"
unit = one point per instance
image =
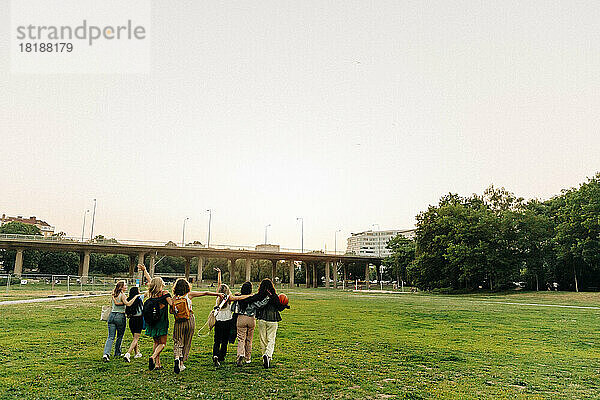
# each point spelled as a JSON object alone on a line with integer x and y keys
{"x": 116, "y": 324}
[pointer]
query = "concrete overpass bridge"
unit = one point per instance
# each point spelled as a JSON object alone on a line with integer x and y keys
{"x": 138, "y": 250}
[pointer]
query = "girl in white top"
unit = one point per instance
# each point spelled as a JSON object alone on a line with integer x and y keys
{"x": 224, "y": 324}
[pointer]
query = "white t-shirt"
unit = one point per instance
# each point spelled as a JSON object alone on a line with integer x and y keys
{"x": 224, "y": 313}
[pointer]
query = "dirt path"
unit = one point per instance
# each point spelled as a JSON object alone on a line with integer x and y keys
{"x": 43, "y": 299}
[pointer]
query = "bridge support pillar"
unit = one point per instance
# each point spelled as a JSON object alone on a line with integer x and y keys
{"x": 141, "y": 256}
{"x": 19, "y": 262}
{"x": 231, "y": 272}
{"x": 248, "y": 269}
{"x": 187, "y": 269}
{"x": 132, "y": 265}
{"x": 80, "y": 269}
{"x": 335, "y": 274}
{"x": 307, "y": 272}
{"x": 273, "y": 270}
{"x": 367, "y": 280}
{"x": 327, "y": 274}
{"x": 314, "y": 276}
{"x": 345, "y": 282}
{"x": 292, "y": 273}
{"x": 201, "y": 261}
{"x": 85, "y": 268}
{"x": 152, "y": 266}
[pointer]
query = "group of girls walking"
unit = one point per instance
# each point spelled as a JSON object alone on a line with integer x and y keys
{"x": 235, "y": 317}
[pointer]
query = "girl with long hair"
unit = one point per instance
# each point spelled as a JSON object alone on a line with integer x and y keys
{"x": 223, "y": 321}
{"x": 267, "y": 321}
{"x": 136, "y": 322}
{"x": 183, "y": 329}
{"x": 116, "y": 319}
{"x": 158, "y": 329}
{"x": 246, "y": 322}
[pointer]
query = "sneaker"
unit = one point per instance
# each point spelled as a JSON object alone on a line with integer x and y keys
{"x": 176, "y": 367}
{"x": 216, "y": 361}
{"x": 127, "y": 357}
{"x": 266, "y": 361}
{"x": 106, "y": 358}
{"x": 248, "y": 361}
{"x": 240, "y": 361}
{"x": 138, "y": 355}
{"x": 183, "y": 367}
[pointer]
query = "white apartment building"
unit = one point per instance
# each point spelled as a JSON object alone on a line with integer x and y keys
{"x": 373, "y": 243}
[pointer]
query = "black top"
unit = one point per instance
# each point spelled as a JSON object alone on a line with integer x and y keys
{"x": 270, "y": 312}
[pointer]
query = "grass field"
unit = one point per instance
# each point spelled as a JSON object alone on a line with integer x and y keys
{"x": 330, "y": 345}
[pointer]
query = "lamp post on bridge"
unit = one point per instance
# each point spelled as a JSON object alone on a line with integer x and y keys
{"x": 93, "y": 220}
{"x": 83, "y": 228}
{"x": 209, "y": 220}
{"x": 301, "y": 219}
{"x": 266, "y": 226}
{"x": 183, "y": 233}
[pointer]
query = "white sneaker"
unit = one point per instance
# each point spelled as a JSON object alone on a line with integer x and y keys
{"x": 248, "y": 361}
{"x": 138, "y": 355}
{"x": 105, "y": 358}
{"x": 182, "y": 368}
{"x": 127, "y": 357}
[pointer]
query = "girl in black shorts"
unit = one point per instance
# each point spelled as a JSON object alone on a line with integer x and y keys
{"x": 136, "y": 322}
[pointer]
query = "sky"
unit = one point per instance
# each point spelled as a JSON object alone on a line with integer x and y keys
{"x": 344, "y": 113}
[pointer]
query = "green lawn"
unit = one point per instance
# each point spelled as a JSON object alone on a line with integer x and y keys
{"x": 330, "y": 345}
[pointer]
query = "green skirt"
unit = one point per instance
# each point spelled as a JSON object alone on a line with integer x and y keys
{"x": 161, "y": 328}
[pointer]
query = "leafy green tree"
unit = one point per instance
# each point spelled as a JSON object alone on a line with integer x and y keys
{"x": 58, "y": 263}
{"x": 109, "y": 264}
{"x": 403, "y": 255}
{"x": 577, "y": 236}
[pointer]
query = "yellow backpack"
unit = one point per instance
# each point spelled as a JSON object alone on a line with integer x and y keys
{"x": 181, "y": 309}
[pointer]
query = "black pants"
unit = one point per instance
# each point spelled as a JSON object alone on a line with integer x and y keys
{"x": 222, "y": 330}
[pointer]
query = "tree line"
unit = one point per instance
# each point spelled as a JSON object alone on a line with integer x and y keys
{"x": 496, "y": 239}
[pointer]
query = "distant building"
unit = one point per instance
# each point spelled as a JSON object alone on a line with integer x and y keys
{"x": 267, "y": 247}
{"x": 46, "y": 228}
{"x": 373, "y": 243}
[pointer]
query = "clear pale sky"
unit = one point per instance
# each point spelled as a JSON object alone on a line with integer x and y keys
{"x": 346, "y": 113}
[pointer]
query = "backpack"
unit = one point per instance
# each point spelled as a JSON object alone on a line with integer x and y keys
{"x": 181, "y": 309}
{"x": 152, "y": 311}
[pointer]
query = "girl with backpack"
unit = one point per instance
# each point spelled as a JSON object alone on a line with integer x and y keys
{"x": 116, "y": 319}
{"x": 156, "y": 316}
{"x": 136, "y": 322}
{"x": 185, "y": 322}
{"x": 267, "y": 321}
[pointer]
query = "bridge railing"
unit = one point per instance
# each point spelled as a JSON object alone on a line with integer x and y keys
{"x": 136, "y": 242}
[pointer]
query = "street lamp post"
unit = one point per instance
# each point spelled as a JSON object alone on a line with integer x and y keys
{"x": 302, "y": 220}
{"x": 266, "y": 226}
{"x": 209, "y": 220}
{"x": 183, "y": 232}
{"x": 93, "y": 220}
{"x": 83, "y": 228}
